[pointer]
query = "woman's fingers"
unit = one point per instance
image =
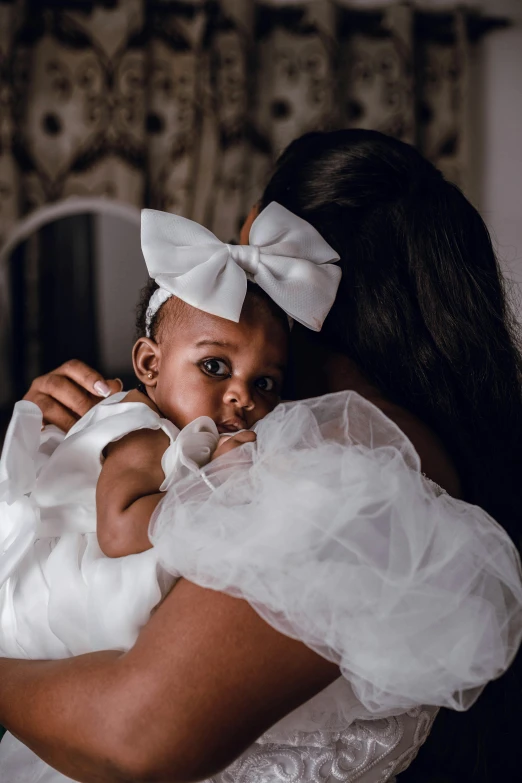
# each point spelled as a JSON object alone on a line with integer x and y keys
{"x": 54, "y": 413}
{"x": 66, "y": 394}
{"x": 88, "y": 379}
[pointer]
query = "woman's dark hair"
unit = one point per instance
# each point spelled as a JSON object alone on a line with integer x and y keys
{"x": 422, "y": 310}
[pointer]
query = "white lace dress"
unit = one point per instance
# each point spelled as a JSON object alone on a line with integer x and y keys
{"x": 325, "y": 525}
{"x": 371, "y": 751}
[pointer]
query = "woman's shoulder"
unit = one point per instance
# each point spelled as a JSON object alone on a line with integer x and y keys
{"x": 436, "y": 462}
{"x": 344, "y": 374}
{"x": 368, "y": 418}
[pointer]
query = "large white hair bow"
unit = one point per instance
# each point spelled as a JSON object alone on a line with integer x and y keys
{"x": 286, "y": 257}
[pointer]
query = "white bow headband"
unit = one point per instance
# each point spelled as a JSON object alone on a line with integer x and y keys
{"x": 286, "y": 257}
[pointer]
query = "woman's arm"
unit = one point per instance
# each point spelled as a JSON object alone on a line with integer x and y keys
{"x": 127, "y": 491}
{"x": 206, "y": 677}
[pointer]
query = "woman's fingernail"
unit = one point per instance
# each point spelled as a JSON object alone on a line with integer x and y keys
{"x": 101, "y": 388}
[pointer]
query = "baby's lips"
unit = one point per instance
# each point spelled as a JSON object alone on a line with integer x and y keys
{"x": 231, "y": 426}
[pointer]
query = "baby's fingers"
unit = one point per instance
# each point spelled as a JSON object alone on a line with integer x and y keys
{"x": 233, "y": 442}
{"x": 245, "y": 436}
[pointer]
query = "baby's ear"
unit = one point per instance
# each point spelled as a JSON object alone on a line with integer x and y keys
{"x": 145, "y": 358}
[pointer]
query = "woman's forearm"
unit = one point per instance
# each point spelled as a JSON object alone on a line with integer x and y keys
{"x": 205, "y": 678}
{"x": 65, "y": 712}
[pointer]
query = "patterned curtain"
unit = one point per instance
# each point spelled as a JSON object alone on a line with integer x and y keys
{"x": 183, "y": 106}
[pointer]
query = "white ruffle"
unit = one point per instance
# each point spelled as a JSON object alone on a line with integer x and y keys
{"x": 330, "y": 531}
{"x": 59, "y": 594}
{"x": 189, "y": 450}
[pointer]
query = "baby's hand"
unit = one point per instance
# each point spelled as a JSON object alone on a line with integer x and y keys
{"x": 227, "y": 444}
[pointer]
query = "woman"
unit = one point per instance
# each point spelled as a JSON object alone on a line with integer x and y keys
{"x": 421, "y": 329}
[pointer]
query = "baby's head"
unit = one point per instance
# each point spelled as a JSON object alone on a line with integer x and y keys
{"x": 193, "y": 363}
{"x": 197, "y": 364}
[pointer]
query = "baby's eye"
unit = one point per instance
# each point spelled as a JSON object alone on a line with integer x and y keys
{"x": 215, "y": 367}
{"x": 265, "y": 384}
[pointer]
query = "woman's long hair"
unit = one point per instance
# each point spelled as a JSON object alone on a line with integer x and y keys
{"x": 422, "y": 311}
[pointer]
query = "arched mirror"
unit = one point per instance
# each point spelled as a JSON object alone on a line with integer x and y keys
{"x": 71, "y": 278}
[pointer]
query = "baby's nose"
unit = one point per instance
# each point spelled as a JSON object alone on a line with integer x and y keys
{"x": 239, "y": 394}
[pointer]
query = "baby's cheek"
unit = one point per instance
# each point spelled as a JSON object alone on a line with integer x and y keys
{"x": 191, "y": 401}
{"x": 263, "y": 409}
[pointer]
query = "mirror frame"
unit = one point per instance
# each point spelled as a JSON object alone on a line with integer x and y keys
{"x": 73, "y": 205}
{"x": 22, "y": 230}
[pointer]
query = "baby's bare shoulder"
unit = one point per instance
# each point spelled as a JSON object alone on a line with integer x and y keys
{"x": 136, "y": 396}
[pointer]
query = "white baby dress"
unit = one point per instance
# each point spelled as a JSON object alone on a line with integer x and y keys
{"x": 59, "y": 594}
{"x": 327, "y": 527}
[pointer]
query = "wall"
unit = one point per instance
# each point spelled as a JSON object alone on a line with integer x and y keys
{"x": 500, "y": 119}
{"x": 118, "y": 287}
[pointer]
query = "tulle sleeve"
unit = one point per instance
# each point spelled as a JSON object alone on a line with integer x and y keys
{"x": 327, "y": 527}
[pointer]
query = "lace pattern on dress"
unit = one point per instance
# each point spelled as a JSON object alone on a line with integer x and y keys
{"x": 366, "y": 752}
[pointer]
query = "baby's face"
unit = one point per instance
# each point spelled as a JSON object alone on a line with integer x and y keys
{"x": 208, "y": 366}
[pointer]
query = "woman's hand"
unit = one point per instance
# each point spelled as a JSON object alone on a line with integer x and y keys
{"x": 233, "y": 442}
{"x": 66, "y": 394}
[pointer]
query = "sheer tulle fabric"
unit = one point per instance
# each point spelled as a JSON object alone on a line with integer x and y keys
{"x": 330, "y": 531}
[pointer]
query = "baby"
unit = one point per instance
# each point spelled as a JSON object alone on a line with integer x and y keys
{"x": 193, "y": 365}
{"x": 77, "y": 569}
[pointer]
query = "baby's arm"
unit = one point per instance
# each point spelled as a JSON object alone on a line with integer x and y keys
{"x": 128, "y": 491}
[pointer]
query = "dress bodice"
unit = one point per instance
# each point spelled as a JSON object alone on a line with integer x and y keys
{"x": 368, "y": 751}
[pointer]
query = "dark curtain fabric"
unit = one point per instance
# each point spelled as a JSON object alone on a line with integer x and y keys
{"x": 183, "y": 106}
